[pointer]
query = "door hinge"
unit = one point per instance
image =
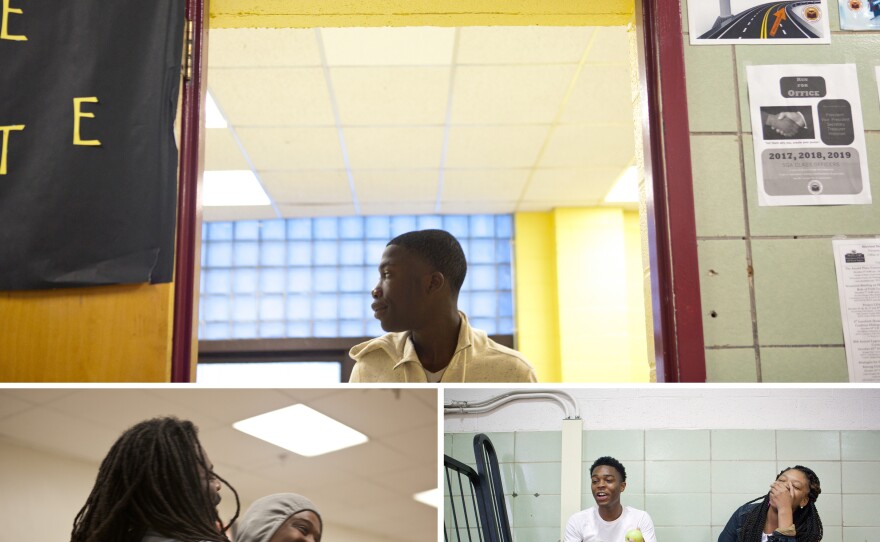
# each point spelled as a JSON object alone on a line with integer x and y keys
{"x": 188, "y": 55}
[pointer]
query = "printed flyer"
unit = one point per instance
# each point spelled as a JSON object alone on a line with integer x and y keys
{"x": 808, "y": 135}
{"x": 857, "y": 262}
{"x": 725, "y": 22}
{"x": 859, "y": 14}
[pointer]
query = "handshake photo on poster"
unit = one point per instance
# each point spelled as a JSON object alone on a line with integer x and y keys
{"x": 789, "y": 122}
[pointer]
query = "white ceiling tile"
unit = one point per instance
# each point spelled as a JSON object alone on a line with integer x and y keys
{"x": 311, "y": 209}
{"x": 400, "y": 46}
{"x": 260, "y": 47}
{"x": 601, "y": 94}
{"x": 534, "y": 207}
{"x": 292, "y": 148}
{"x": 495, "y": 147}
{"x": 522, "y": 44}
{"x": 238, "y": 212}
{"x": 478, "y": 207}
{"x": 509, "y": 94}
{"x": 391, "y": 95}
{"x": 371, "y": 403}
{"x": 404, "y": 186}
{"x": 571, "y": 186}
{"x": 611, "y": 46}
{"x": 468, "y": 185}
{"x": 222, "y": 152}
{"x": 43, "y": 428}
{"x": 318, "y": 186}
{"x": 393, "y": 147}
{"x": 272, "y": 96}
{"x": 582, "y": 145}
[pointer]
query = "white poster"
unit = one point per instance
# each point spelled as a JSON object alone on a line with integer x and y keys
{"x": 719, "y": 22}
{"x": 857, "y": 262}
{"x": 859, "y": 14}
{"x": 808, "y": 135}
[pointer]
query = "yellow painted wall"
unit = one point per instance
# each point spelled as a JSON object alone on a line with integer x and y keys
{"x": 318, "y": 13}
{"x": 580, "y": 313}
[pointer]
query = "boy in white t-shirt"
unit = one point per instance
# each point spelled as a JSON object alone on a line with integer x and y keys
{"x": 608, "y": 521}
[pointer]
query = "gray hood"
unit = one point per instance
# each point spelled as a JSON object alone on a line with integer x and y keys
{"x": 268, "y": 513}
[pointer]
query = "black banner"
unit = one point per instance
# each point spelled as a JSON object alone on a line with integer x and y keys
{"x": 89, "y": 163}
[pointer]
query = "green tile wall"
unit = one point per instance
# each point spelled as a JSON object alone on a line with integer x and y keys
{"x": 783, "y": 324}
{"x": 691, "y": 481}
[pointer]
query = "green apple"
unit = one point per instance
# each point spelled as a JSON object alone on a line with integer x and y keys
{"x": 634, "y": 535}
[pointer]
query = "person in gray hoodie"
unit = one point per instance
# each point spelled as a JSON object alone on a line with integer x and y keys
{"x": 283, "y": 517}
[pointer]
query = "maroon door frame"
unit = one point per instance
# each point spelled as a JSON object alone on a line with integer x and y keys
{"x": 675, "y": 287}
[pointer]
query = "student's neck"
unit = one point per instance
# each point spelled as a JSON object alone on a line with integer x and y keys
{"x": 611, "y": 513}
{"x": 435, "y": 343}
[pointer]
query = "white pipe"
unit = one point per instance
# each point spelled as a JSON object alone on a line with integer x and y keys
{"x": 487, "y": 405}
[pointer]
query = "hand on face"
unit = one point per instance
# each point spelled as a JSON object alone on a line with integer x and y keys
{"x": 781, "y": 495}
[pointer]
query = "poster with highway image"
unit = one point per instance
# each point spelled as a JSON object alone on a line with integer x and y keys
{"x": 859, "y": 14}
{"x": 808, "y": 135}
{"x": 724, "y": 22}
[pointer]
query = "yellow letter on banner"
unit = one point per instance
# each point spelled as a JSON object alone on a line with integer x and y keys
{"x": 5, "y": 145}
{"x": 4, "y": 23}
{"x": 77, "y": 114}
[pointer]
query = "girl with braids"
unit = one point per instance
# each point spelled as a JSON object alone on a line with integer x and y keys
{"x": 155, "y": 485}
{"x": 786, "y": 514}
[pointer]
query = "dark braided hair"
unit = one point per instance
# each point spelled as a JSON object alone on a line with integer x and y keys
{"x": 806, "y": 519}
{"x": 155, "y": 477}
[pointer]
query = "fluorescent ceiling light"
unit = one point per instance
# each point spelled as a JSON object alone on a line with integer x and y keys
{"x": 626, "y": 189}
{"x": 301, "y": 430}
{"x": 213, "y": 117}
{"x": 236, "y": 187}
{"x": 430, "y": 497}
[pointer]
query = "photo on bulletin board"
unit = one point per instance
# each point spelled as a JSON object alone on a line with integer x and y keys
{"x": 725, "y": 22}
{"x": 859, "y": 14}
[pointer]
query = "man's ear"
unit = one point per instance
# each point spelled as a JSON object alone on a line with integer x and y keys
{"x": 622, "y": 487}
{"x": 436, "y": 281}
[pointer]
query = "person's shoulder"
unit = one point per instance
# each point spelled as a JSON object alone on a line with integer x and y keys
{"x": 582, "y": 515}
{"x": 384, "y": 348}
{"x": 636, "y": 512}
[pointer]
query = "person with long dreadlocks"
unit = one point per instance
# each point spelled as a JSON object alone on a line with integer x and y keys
{"x": 786, "y": 514}
{"x": 156, "y": 484}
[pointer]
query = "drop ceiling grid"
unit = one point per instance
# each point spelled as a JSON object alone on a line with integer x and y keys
{"x": 391, "y": 88}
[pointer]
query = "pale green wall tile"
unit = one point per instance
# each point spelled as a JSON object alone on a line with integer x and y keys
{"x": 796, "y": 292}
{"x": 833, "y": 534}
{"x": 731, "y": 365}
{"x": 742, "y": 476}
{"x": 825, "y": 364}
{"x": 804, "y": 446}
{"x": 531, "y": 511}
{"x": 621, "y": 445}
{"x": 814, "y": 219}
{"x": 860, "y": 445}
{"x": 861, "y": 510}
{"x": 677, "y": 477}
{"x": 846, "y": 48}
{"x": 829, "y": 474}
{"x": 725, "y": 504}
{"x": 541, "y": 478}
{"x": 860, "y": 534}
{"x": 684, "y": 534}
{"x": 635, "y": 476}
{"x": 538, "y": 446}
{"x": 743, "y": 444}
{"x": 829, "y": 507}
{"x": 711, "y": 92}
{"x": 678, "y": 509}
{"x": 724, "y": 291}
{"x": 508, "y": 476}
{"x": 718, "y": 186}
{"x": 861, "y": 477}
{"x": 677, "y": 445}
{"x": 534, "y": 534}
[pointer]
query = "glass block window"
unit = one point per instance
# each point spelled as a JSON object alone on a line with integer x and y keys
{"x": 311, "y": 277}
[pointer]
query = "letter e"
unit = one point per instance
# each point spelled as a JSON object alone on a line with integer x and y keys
{"x": 4, "y": 23}
{"x": 77, "y": 114}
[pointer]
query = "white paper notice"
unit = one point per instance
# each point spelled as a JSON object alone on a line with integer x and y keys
{"x": 857, "y": 262}
{"x": 808, "y": 135}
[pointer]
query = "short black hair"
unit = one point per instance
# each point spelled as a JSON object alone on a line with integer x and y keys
{"x": 440, "y": 249}
{"x": 610, "y": 462}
